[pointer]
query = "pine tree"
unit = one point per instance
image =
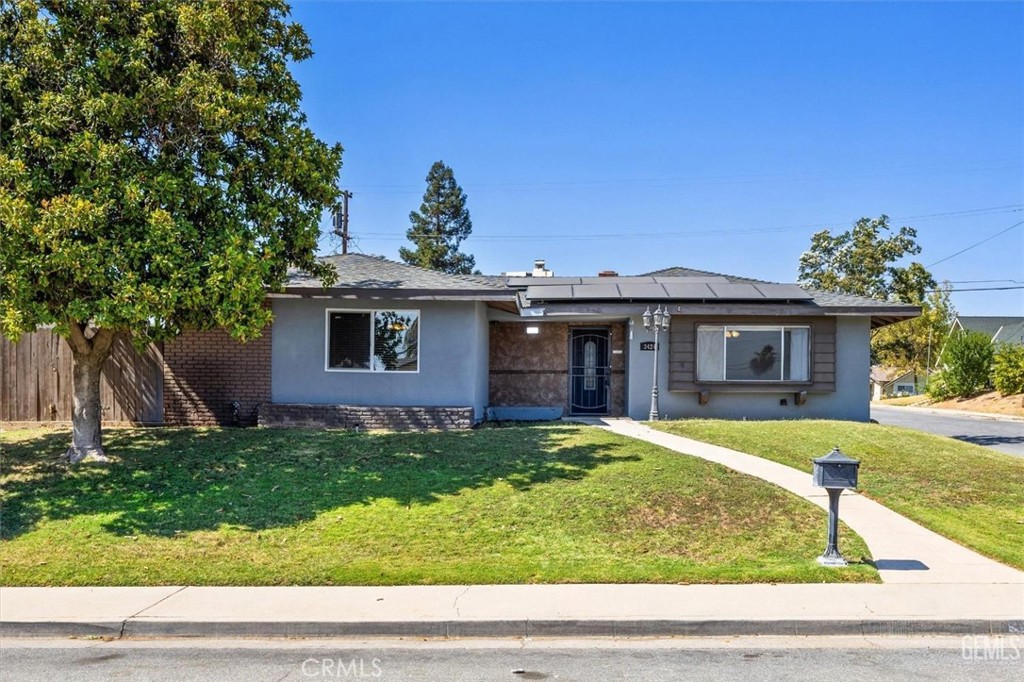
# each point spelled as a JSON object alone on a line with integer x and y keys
{"x": 440, "y": 225}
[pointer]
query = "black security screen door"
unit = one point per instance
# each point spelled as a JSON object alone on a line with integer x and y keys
{"x": 589, "y": 371}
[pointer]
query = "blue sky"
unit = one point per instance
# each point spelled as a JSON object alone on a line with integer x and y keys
{"x": 717, "y": 136}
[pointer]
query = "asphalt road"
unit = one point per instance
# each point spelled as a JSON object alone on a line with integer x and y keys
{"x": 1004, "y": 436}
{"x": 850, "y": 658}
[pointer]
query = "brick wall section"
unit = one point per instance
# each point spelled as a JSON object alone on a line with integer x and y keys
{"x": 364, "y": 417}
{"x": 204, "y": 372}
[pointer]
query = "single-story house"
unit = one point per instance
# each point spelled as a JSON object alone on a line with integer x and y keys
{"x": 889, "y": 382}
{"x": 388, "y": 338}
{"x": 393, "y": 345}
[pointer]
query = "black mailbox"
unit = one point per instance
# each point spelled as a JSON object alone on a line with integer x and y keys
{"x": 835, "y": 470}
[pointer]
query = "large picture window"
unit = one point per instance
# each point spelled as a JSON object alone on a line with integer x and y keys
{"x": 373, "y": 340}
{"x": 753, "y": 353}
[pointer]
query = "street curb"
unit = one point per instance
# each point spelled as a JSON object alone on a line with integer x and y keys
{"x": 989, "y": 416}
{"x": 151, "y": 628}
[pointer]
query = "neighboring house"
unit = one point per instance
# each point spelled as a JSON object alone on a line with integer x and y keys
{"x": 889, "y": 382}
{"x": 395, "y": 345}
{"x": 999, "y": 329}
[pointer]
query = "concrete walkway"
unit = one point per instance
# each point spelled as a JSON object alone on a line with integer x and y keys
{"x": 904, "y": 552}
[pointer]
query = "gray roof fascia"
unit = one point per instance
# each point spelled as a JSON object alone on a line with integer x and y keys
{"x": 398, "y": 294}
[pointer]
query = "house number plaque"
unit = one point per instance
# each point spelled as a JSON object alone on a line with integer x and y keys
{"x": 647, "y": 345}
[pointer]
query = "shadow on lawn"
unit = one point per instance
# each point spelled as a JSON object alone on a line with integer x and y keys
{"x": 165, "y": 481}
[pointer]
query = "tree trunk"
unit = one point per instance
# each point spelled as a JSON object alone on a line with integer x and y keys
{"x": 89, "y": 354}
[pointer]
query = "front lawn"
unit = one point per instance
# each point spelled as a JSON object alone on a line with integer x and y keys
{"x": 560, "y": 503}
{"x": 965, "y": 492}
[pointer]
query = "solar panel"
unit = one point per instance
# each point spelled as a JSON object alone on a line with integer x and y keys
{"x": 550, "y": 293}
{"x": 778, "y": 292}
{"x": 540, "y": 281}
{"x": 642, "y": 290}
{"x": 688, "y": 291}
{"x": 736, "y": 291}
{"x": 590, "y": 292}
{"x": 709, "y": 279}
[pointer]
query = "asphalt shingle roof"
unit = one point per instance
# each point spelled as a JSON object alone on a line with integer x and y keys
{"x": 691, "y": 272}
{"x": 360, "y": 271}
{"x": 832, "y": 299}
{"x": 824, "y": 299}
{"x": 991, "y": 325}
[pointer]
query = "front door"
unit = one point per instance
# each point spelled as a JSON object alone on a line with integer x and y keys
{"x": 590, "y": 371}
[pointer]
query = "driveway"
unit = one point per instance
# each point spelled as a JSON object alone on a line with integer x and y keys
{"x": 1003, "y": 435}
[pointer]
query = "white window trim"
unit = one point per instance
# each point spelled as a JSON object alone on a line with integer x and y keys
{"x": 757, "y": 328}
{"x": 372, "y": 312}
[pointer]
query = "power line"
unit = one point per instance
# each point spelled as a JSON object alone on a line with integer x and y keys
{"x": 966, "y": 213}
{"x": 955, "y": 291}
{"x": 986, "y": 239}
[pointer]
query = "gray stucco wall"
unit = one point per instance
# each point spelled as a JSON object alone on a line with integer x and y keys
{"x": 483, "y": 356}
{"x": 453, "y": 357}
{"x": 850, "y": 400}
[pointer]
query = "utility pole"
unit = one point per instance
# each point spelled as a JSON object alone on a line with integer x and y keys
{"x": 341, "y": 221}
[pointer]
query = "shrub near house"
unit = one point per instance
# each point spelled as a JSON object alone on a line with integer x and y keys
{"x": 1008, "y": 369}
{"x": 967, "y": 364}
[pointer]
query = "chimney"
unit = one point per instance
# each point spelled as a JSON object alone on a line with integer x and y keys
{"x": 607, "y": 273}
{"x": 539, "y": 270}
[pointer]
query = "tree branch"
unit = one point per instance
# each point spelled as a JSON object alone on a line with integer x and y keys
{"x": 79, "y": 343}
{"x": 102, "y": 341}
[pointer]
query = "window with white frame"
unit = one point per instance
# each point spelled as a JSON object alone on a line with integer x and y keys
{"x": 373, "y": 340}
{"x": 753, "y": 353}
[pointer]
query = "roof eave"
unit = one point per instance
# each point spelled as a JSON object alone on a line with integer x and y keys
{"x": 377, "y": 294}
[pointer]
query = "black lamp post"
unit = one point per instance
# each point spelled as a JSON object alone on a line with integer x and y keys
{"x": 656, "y": 322}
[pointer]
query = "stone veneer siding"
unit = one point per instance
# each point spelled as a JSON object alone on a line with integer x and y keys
{"x": 532, "y": 370}
{"x": 366, "y": 417}
{"x": 205, "y": 371}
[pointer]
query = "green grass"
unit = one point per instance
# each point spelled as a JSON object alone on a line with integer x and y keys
{"x": 965, "y": 492}
{"x": 543, "y": 504}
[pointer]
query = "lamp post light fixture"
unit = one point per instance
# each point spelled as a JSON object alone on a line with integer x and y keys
{"x": 657, "y": 321}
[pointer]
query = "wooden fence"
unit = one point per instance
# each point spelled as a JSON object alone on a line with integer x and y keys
{"x": 36, "y": 376}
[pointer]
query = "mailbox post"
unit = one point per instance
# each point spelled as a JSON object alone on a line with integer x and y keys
{"x": 835, "y": 472}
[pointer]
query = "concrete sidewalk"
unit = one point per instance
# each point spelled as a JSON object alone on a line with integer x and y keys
{"x": 904, "y": 552}
{"x": 512, "y": 610}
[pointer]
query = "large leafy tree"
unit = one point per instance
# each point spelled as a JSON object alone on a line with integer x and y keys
{"x": 865, "y": 261}
{"x": 156, "y": 173}
{"x": 915, "y": 344}
{"x": 440, "y": 226}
